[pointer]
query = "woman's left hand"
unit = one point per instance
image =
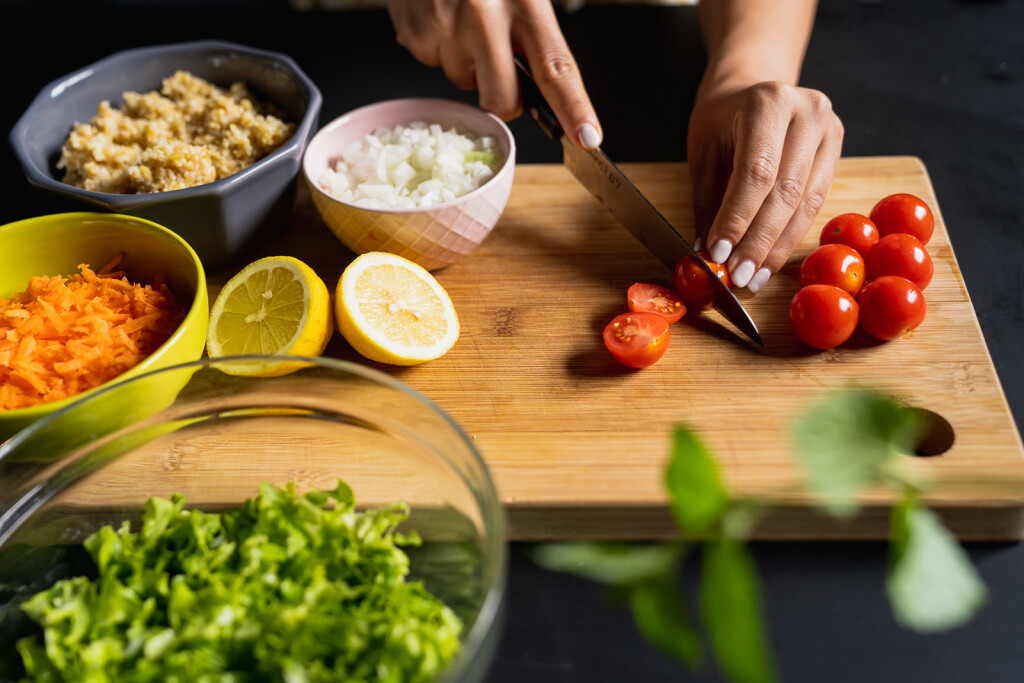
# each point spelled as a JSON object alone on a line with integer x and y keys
{"x": 761, "y": 159}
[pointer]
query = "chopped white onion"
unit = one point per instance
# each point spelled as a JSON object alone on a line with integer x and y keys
{"x": 410, "y": 166}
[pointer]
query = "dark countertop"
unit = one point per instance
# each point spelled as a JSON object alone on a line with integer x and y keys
{"x": 940, "y": 80}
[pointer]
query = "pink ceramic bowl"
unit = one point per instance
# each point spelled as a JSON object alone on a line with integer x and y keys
{"x": 432, "y": 236}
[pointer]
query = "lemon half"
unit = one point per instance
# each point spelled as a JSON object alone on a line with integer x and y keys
{"x": 274, "y": 306}
{"x": 394, "y": 311}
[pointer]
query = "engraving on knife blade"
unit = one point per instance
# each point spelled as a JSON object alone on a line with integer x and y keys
{"x": 610, "y": 176}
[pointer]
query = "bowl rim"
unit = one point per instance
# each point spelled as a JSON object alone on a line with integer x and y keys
{"x": 200, "y": 300}
{"x": 489, "y": 615}
{"x": 294, "y": 145}
{"x": 507, "y": 165}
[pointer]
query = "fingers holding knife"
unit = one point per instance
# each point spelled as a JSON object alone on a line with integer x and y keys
{"x": 476, "y": 42}
{"x": 554, "y": 69}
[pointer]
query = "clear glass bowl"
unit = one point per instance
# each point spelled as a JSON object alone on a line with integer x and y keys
{"x": 219, "y": 437}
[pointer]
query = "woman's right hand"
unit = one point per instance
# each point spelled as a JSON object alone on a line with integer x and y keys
{"x": 474, "y": 42}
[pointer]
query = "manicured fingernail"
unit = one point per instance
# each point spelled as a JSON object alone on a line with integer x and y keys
{"x": 698, "y": 244}
{"x": 589, "y": 136}
{"x": 720, "y": 251}
{"x": 742, "y": 274}
{"x": 759, "y": 280}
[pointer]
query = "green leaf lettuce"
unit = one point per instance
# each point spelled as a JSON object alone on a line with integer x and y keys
{"x": 285, "y": 587}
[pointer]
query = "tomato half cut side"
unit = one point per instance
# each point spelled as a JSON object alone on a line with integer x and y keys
{"x": 645, "y": 297}
{"x": 637, "y": 339}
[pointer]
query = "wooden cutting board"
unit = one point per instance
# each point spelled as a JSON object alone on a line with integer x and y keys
{"x": 577, "y": 443}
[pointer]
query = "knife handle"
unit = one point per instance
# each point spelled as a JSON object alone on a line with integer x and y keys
{"x": 535, "y": 104}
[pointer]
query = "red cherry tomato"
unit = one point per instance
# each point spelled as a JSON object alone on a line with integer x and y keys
{"x": 823, "y": 316}
{"x": 852, "y": 229}
{"x": 694, "y": 286}
{"x": 643, "y": 296}
{"x": 834, "y": 264}
{"x": 904, "y": 213}
{"x": 890, "y": 307}
{"x": 637, "y": 339}
{"x": 901, "y": 254}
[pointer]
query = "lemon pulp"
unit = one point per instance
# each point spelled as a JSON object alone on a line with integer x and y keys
{"x": 274, "y": 306}
{"x": 392, "y": 310}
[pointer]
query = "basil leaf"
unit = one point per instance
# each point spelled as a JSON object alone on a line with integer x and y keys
{"x": 739, "y": 521}
{"x": 931, "y": 583}
{"x": 662, "y": 618}
{"x": 697, "y": 495}
{"x": 614, "y": 564}
{"x": 844, "y": 444}
{"x": 731, "y": 607}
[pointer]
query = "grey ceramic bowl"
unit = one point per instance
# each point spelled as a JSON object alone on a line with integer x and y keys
{"x": 216, "y": 219}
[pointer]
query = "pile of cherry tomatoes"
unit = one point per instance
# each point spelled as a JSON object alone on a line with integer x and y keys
{"x": 868, "y": 271}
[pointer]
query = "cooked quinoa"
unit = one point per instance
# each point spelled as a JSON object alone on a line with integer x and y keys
{"x": 189, "y": 133}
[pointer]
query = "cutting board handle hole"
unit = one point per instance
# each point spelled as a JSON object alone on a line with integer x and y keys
{"x": 937, "y": 435}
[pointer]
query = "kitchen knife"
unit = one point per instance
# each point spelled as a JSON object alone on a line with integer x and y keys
{"x": 603, "y": 179}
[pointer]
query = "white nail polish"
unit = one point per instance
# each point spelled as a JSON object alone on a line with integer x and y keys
{"x": 720, "y": 251}
{"x": 759, "y": 280}
{"x": 589, "y": 137}
{"x": 744, "y": 271}
{"x": 698, "y": 243}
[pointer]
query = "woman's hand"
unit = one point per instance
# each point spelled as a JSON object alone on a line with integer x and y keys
{"x": 474, "y": 41}
{"x": 762, "y": 159}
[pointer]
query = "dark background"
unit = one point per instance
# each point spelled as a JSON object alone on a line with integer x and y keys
{"x": 940, "y": 80}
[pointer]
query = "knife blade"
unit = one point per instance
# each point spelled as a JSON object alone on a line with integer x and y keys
{"x": 603, "y": 179}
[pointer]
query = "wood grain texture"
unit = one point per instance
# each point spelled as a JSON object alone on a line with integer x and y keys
{"x": 568, "y": 433}
{"x": 577, "y": 443}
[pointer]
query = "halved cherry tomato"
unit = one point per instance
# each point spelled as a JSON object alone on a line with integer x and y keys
{"x": 644, "y": 296}
{"x": 693, "y": 284}
{"x": 901, "y": 254}
{"x": 852, "y": 229}
{"x": 890, "y": 307}
{"x": 834, "y": 264}
{"x": 637, "y": 339}
{"x": 904, "y": 213}
{"x": 823, "y": 316}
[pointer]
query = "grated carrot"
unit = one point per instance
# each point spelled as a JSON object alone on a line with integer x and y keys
{"x": 63, "y": 336}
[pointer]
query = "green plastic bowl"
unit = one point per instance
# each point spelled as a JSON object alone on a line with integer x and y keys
{"x": 56, "y": 244}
